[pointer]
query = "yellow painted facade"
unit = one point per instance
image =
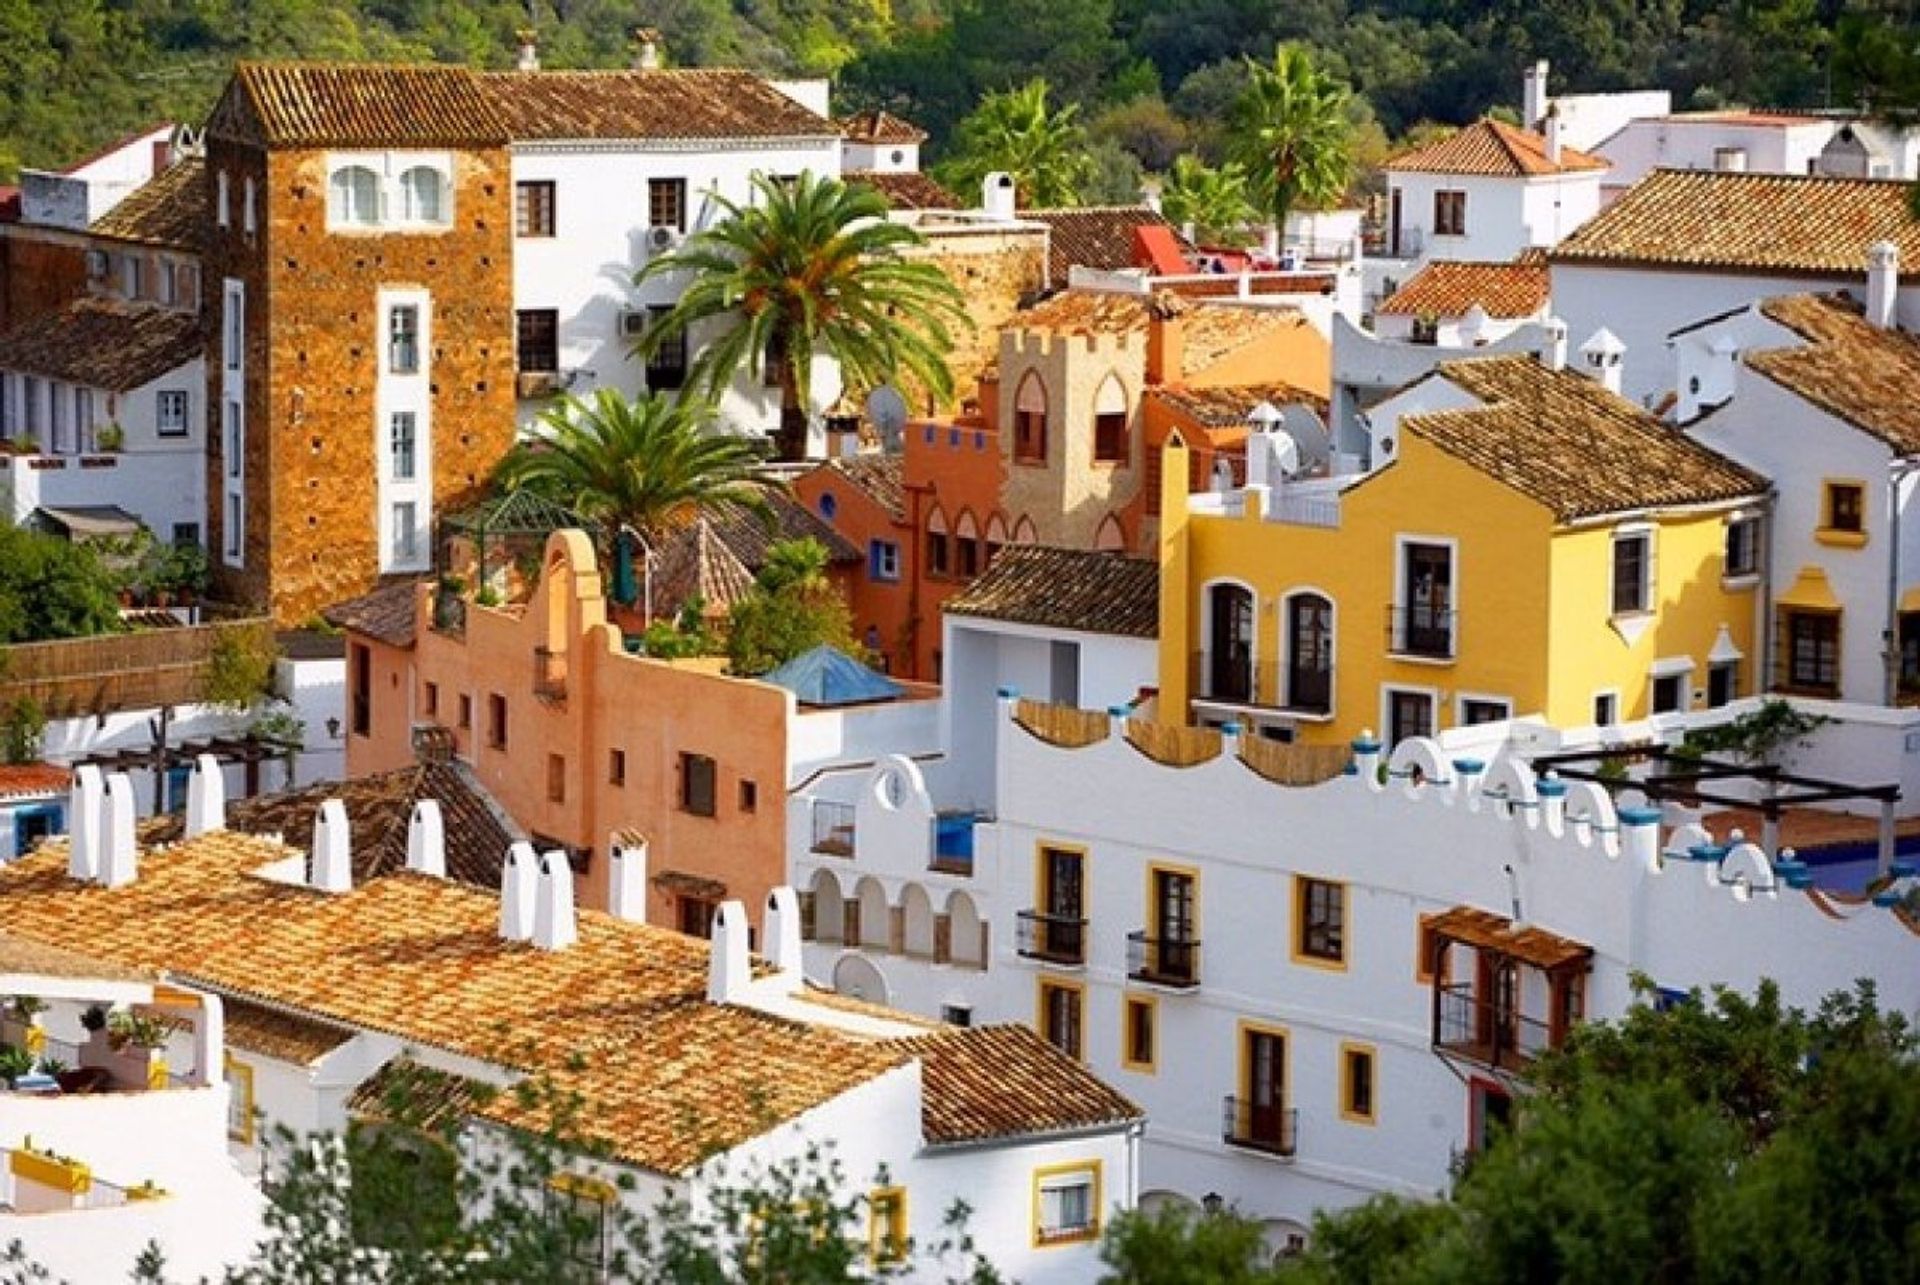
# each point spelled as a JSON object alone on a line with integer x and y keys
{"x": 1531, "y": 597}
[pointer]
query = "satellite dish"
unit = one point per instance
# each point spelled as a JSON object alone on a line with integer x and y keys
{"x": 1313, "y": 447}
{"x": 887, "y": 412}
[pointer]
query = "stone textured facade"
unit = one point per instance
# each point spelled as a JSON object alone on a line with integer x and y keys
{"x": 1070, "y": 495}
{"x": 40, "y": 273}
{"x": 999, "y": 271}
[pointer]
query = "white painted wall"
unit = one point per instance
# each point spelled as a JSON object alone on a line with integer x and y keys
{"x": 1691, "y": 141}
{"x": 819, "y": 739}
{"x": 1504, "y": 215}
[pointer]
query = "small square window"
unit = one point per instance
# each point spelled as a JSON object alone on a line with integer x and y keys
{"x": 616, "y": 767}
{"x": 1067, "y": 1204}
{"x": 957, "y": 1014}
{"x": 1846, "y": 506}
{"x": 695, "y": 916}
{"x": 1669, "y": 695}
{"x": 749, "y": 796}
{"x": 697, "y": 781}
{"x": 1320, "y": 919}
{"x": 533, "y": 208}
{"x": 883, "y": 561}
{"x": 1606, "y": 709}
{"x": 556, "y": 779}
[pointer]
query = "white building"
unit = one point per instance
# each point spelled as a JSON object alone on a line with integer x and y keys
{"x": 1462, "y": 304}
{"x": 1761, "y": 142}
{"x": 694, "y": 1062}
{"x": 1586, "y": 120}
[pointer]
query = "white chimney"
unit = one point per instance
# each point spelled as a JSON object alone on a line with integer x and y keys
{"x": 1190, "y": 232}
{"x": 1883, "y": 283}
{"x": 119, "y": 858}
{"x": 1553, "y": 347}
{"x": 206, "y": 797}
{"x": 529, "y": 59}
{"x": 1150, "y": 195}
{"x": 646, "y": 49}
{"x": 1602, "y": 354}
{"x": 86, "y": 823}
{"x": 553, "y": 920}
{"x": 518, "y": 877}
{"x": 627, "y": 884}
{"x": 332, "y": 855}
{"x": 1261, "y": 464}
{"x": 1270, "y": 241}
{"x": 1533, "y": 95}
{"x": 1552, "y": 131}
{"x": 729, "y": 966}
{"x": 427, "y": 839}
{"x": 783, "y": 930}
{"x": 1473, "y": 326}
{"x": 997, "y": 196}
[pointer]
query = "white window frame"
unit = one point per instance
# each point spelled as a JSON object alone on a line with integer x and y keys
{"x": 249, "y": 219}
{"x": 223, "y": 199}
{"x": 1389, "y": 690}
{"x": 1463, "y": 699}
{"x": 1075, "y": 1177}
{"x": 233, "y": 423}
{"x": 180, "y": 397}
{"x": 1207, "y": 641}
{"x": 1649, "y": 572}
{"x": 1610, "y": 694}
{"x": 1755, "y": 523}
{"x": 1402, "y": 608}
{"x": 1733, "y": 691}
{"x": 1677, "y": 667}
{"x": 403, "y": 393}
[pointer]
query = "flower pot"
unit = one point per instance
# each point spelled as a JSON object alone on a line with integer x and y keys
{"x": 70, "y": 1176}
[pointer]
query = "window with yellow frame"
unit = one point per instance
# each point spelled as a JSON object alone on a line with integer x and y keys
{"x": 239, "y": 1102}
{"x": 887, "y": 1224}
{"x": 1140, "y": 1035}
{"x": 1066, "y": 1203}
{"x": 1319, "y": 922}
{"x": 582, "y": 1207}
{"x": 1843, "y": 513}
{"x": 1359, "y": 1080}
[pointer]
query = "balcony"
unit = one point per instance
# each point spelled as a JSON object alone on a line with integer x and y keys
{"x": 1271, "y": 1130}
{"x": 549, "y": 674}
{"x": 1301, "y": 691}
{"x": 1423, "y": 633}
{"x": 832, "y": 828}
{"x": 1052, "y": 939}
{"x": 1163, "y": 961}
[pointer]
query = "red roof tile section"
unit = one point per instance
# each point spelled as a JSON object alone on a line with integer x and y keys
{"x": 1506, "y": 290}
{"x": 1495, "y": 149}
{"x": 880, "y": 127}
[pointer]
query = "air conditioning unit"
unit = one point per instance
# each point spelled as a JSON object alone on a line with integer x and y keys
{"x": 662, "y": 238}
{"x": 633, "y": 324}
{"x": 537, "y": 383}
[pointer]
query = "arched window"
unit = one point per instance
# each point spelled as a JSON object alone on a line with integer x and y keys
{"x": 1228, "y": 672}
{"x": 353, "y": 197}
{"x": 1110, "y": 445}
{"x": 423, "y": 195}
{"x": 1030, "y": 421}
{"x": 966, "y": 546}
{"x": 996, "y": 537}
{"x": 1112, "y": 537}
{"x": 1024, "y": 532}
{"x": 939, "y": 546}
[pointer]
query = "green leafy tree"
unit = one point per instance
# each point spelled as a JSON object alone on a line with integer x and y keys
{"x": 52, "y": 588}
{"x": 641, "y": 462}
{"x": 1174, "y": 1245}
{"x": 1213, "y": 200}
{"x": 1016, "y": 132}
{"x": 811, "y": 269}
{"x": 23, "y": 727}
{"x": 1147, "y": 128}
{"x": 1291, "y": 133}
{"x": 792, "y": 608}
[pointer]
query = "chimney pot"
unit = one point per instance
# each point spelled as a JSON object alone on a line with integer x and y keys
{"x": 427, "y": 839}
{"x": 646, "y": 49}
{"x": 332, "y": 856}
{"x": 627, "y": 887}
{"x": 1883, "y": 283}
{"x": 554, "y": 927}
{"x": 1533, "y": 95}
{"x": 529, "y": 49}
{"x": 783, "y": 930}
{"x": 729, "y": 966}
{"x": 518, "y": 877}
{"x": 119, "y": 858}
{"x": 86, "y": 823}
{"x": 206, "y": 797}
{"x": 1552, "y": 131}
{"x": 1553, "y": 348}
{"x": 998, "y": 196}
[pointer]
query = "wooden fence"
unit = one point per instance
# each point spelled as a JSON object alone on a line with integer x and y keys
{"x": 113, "y": 672}
{"x": 1173, "y": 745}
{"x": 1293, "y": 764}
{"x": 1063, "y": 725}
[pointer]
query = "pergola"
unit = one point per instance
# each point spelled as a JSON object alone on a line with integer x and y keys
{"x": 504, "y": 529}
{"x": 248, "y": 748}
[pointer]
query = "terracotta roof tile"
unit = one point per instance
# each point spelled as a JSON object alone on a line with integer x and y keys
{"x": 22, "y": 779}
{"x": 906, "y": 191}
{"x": 288, "y": 104}
{"x": 22, "y": 957}
{"x": 1492, "y": 148}
{"x": 253, "y": 1028}
{"x": 102, "y": 343}
{"x": 1082, "y": 589}
{"x": 404, "y": 1091}
{"x": 881, "y": 477}
{"x": 1484, "y": 929}
{"x": 749, "y": 535}
{"x": 1749, "y": 222}
{"x": 1566, "y": 442}
{"x": 683, "y": 103}
{"x": 169, "y": 210}
{"x": 876, "y": 126}
{"x": 1210, "y": 330}
{"x": 1094, "y": 236}
{"x": 385, "y": 615}
{"x": 1226, "y": 406}
{"x": 695, "y": 562}
{"x": 988, "y": 1082}
{"x": 1444, "y": 289}
{"x": 1858, "y": 372}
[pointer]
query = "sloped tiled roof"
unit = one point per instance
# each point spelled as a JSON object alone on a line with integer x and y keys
{"x": 1226, "y": 406}
{"x": 696, "y": 563}
{"x": 254, "y": 1028}
{"x": 1484, "y": 930}
{"x": 404, "y": 1091}
{"x": 751, "y": 534}
{"x": 877, "y": 126}
{"x": 1849, "y": 368}
{"x": 881, "y": 477}
{"x": 1732, "y": 221}
{"x": 1082, "y": 589}
{"x": 18, "y": 780}
{"x": 22, "y": 957}
{"x": 1569, "y": 444}
{"x": 1449, "y": 289}
{"x": 1495, "y": 149}
{"x": 386, "y": 614}
{"x": 989, "y": 1082}
{"x": 1094, "y": 236}
{"x": 681, "y": 103}
{"x": 103, "y": 343}
{"x": 908, "y": 190}
{"x": 1209, "y": 330}
{"x": 476, "y": 829}
{"x": 169, "y": 210}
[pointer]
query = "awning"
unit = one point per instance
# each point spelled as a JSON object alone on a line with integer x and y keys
{"x": 1810, "y": 592}
{"x": 683, "y": 884}
{"x": 1484, "y": 930}
{"x": 88, "y": 521}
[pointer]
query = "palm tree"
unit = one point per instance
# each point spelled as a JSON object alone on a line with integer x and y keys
{"x": 1046, "y": 152}
{"x": 1290, "y": 131}
{"x": 641, "y": 464}
{"x": 1213, "y": 200}
{"x": 812, "y": 268}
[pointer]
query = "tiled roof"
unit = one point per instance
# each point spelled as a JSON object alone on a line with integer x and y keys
{"x": 1447, "y": 289}
{"x": 18, "y": 780}
{"x": 1209, "y": 330}
{"x": 1495, "y": 149}
{"x": 101, "y": 343}
{"x": 1566, "y": 442}
{"x": 169, "y": 210}
{"x": 696, "y": 563}
{"x": 988, "y": 1082}
{"x": 21, "y": 957}
{"x": 1082, "y": 589}
{"x": 385, "y": 615}
{"x": 287, "y": 104}
{"x": 1094, "y": 236}
{"x": 1853, "y": 370}
{"x": 683, "y": 103}
{"x": 749, "y": 535}
{"x": 407, "y": 1092}
{"x": 878, "y": 126}
{"x": 476, "y": 829}
{"x": 881, "y": 477}
{"x": 619, "y": 1018}
{"x": 252, "y": 1028}
{"x": 908, "y": 190}
{"x": 1227, "y": 406}
{"x": 1213, "y": 330}
{"x": 1749, "y": 222}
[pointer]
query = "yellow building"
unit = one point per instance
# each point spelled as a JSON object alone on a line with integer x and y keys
{"x": 1525, "y": 542}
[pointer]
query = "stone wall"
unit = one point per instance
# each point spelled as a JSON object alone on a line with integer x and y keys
{"x": 39, "y": 273}
{"x": 998, "y": 271}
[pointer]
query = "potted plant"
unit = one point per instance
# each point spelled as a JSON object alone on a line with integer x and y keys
{"x": 124, "y": 1028}
{"x": 14, "y": 1063}
{"x": 50, "y": 1169}
{"x": 110, "y": 438}
{"x": 26, "y": 444}
{"x": 94, "y": 1019}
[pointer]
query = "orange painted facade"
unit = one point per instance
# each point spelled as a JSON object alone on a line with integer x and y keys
{"x": 879, "y": 591}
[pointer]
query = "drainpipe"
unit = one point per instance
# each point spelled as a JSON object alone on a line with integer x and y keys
{"x": 1897, "y": 473}
{"x": 1764, "y": 679}
{"x": 914, "y": 492}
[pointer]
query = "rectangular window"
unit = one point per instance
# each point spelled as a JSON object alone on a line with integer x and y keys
{"x": 83, "y": 417}
{"x": 667, "y": 364}
{"x": 1449, "y": 213}
{"x": 1723, "y": 682}
{"x": 695, "y": 916}
{"x": 616, "y": 767}
{"x": 1743, "y": 548}
{"x": 883, "y": 561}
{"x": 1066, "y": 1204}
{"x": 1606, "y": 709}
{"x": 1484, "y": 709}
{"x": 537, "y": 340}
{"x": 556, "y": 779}
{"x": 401, "y": 433}
{"x": 1425, "y": 626}
{"x": 968, "y": 559}
{"x": 957, "y": 1014}
{"x": 697, "y": 778}
{"x": 1669, "y": 693}
{"x": 466, "y": 711}
{"x": 667, "y": 203}
{"x": 135, "y": 276}
{"x": 887, "y": 1225}
{"x": 1632, "y": 568}
{"x": 581, "y": 1208}
{"x": 1030, "y": 436}
{"x": 239, "y": 1102}
{"x": 1110, "y": 438}
{"x": 1846, "y": 507}
{"x": 533, "y": 208}
{"x": 30, "y": 403}
{"x": 360, "y": 711}
{"x": 403, "y": 339}
{"x": 406, "y": 535}
{"x": 1356, "y": 1083}
{"x": 496, "y": 720}
{"x": 165, "y": 284}
{"x": 1137, "y": 1038}
{"x": 234, "y": 446}
{"x": 1813, "y": 651}
{"x": 1320, "y": 915}
{"x": 431, "y": 699}
{"x": 186, "y": 534}
{"x": 749, "y": 796}
{"x": 939, "y": 555}
{"x": 236, "y": 328}
{"x": 235, "y": 518}
{"x": 186, "y": 285}
{"x": 171, "y": 409}
{"x": 1060, "y": 1016}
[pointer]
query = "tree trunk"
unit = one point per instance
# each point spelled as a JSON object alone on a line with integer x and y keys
{"x": 791, "y": 442}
